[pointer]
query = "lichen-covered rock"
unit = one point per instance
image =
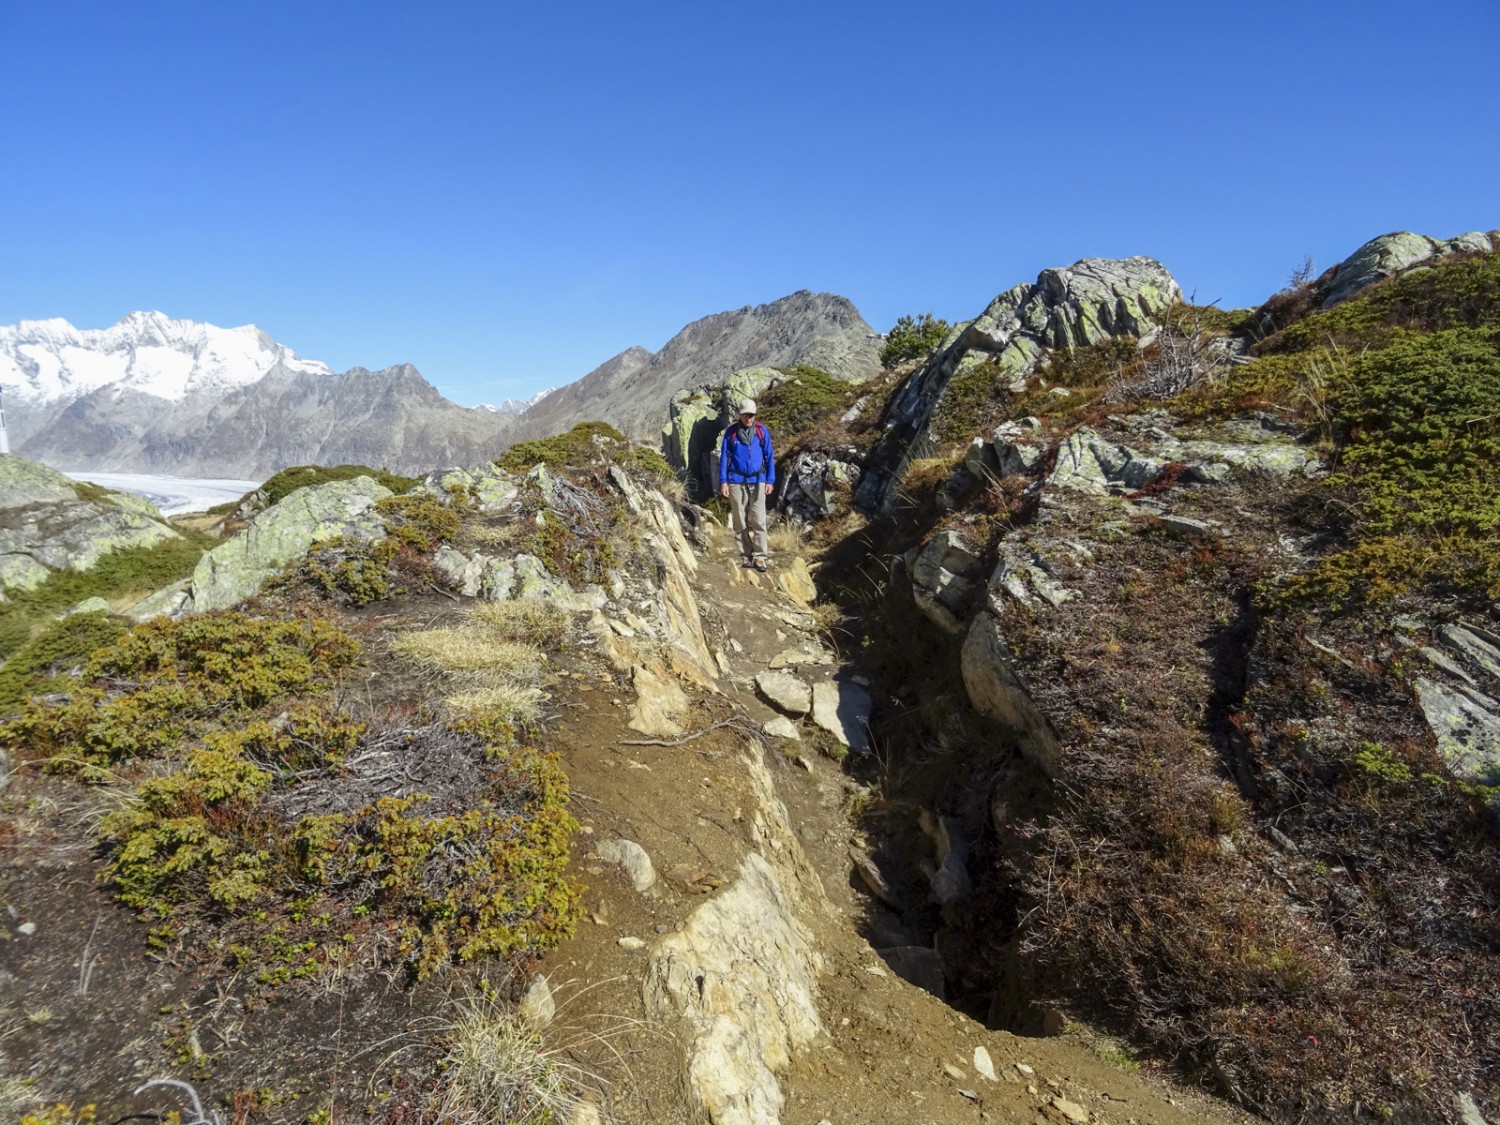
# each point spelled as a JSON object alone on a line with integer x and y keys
{"x": 687, "y": 440}
{"x": 944, "y": 577}
{"x": 490, "y": 488}
{"x": 236, "y": 568}
{"x": 45, "y": 527}
{"x": 817, "y": 484}
{"x": 24, "y": 482}
{"x": 1466, "y": 723}
{"x": 463, "y": 572}
{"x": 1088, "y": 302}
{"x": 1390, "y": 254}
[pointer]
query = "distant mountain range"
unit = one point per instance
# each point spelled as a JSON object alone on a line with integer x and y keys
{"x": 156, "y": 395}
{"x": 632, "y": 390}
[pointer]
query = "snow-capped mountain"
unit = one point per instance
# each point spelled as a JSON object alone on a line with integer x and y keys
{"x": 156, "y": 395}
{"x": 515, "y": 405}
{"x": 46, "y": 361}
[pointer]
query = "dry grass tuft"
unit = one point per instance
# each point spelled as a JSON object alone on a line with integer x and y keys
{"x": 533, "y": 623}
{"x": 496, "y": 1069}
{"x": 518, "y": 703}
{"x": 493, "y": 659}
{"x": 469, "y": 648}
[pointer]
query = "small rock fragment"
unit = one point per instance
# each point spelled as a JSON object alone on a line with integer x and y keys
{"x": 26, "y": 929}
{"x": 785, "y": 692}
{"x": 984, "y": 1065}
{"x": 630, "y": 943}
{"x": 1071, "y": 1110}
{"x": 632, "y": 857}
{"x": 537, "y": 1006}
{"x": 953, "y": 1072}
{"x": 1024, "y": 1069}
{"x": 782, "y": 727}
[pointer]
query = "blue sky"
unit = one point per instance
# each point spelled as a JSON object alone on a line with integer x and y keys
{"x": 507, "y": 195}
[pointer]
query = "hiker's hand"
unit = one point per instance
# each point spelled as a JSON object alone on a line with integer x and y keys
{"x": 768, "y": 489}
{"x": 724, "y": 490}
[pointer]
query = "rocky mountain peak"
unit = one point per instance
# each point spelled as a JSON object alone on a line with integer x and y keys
{"x": 632, "y": 391}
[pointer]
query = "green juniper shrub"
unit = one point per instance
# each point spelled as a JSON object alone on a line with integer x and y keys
{"x": 976, "y": 396}
{"x": 284, "y": 483}
{"x": 651, "y": 462}
{"x": 164, "y": 681}
{"x": 912, "y": 338}
{"x": 419, "y": 520}
{"x": 60, "y": 646}
{"x": 1421, "y": 424}
{"x": 574, "y": 447}
{"x": 265, "y": 833}
{"x": 800, "y": 401}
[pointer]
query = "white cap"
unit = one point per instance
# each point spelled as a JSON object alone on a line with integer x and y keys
{"x": 747, "y": 406}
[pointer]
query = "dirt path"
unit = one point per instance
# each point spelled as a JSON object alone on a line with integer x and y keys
{"x": 891, "y": 1052}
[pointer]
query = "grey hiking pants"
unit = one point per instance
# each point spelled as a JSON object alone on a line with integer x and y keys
{"x": 747, "y": 507}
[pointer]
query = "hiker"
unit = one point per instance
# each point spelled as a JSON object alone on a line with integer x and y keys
{"x": 747, "y": 473}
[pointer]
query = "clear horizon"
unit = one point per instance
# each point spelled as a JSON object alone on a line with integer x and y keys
{"x": 507, "y": 198}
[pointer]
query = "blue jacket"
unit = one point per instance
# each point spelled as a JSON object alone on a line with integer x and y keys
{"x": 746, "y": 457}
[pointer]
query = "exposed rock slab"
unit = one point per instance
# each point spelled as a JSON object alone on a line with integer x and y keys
{"x": 843, "y": 710}
{"x": 235, "y": 569}
{"x": 785, "y": 692}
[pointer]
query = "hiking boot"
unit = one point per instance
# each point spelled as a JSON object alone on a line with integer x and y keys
{"x": 760, "y": 565}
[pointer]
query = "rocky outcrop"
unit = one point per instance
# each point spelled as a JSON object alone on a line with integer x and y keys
{"x": 1394, "y": 253}
{"x": 48, "y": 523}
{"x": 819, "y": 484}
{"x": 236, "y": 568}
{"x": 1088, "y": 302}
{"x": 820, "y": 329}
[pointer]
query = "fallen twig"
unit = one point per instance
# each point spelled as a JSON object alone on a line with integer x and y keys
{"x": 736, "y": 722}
